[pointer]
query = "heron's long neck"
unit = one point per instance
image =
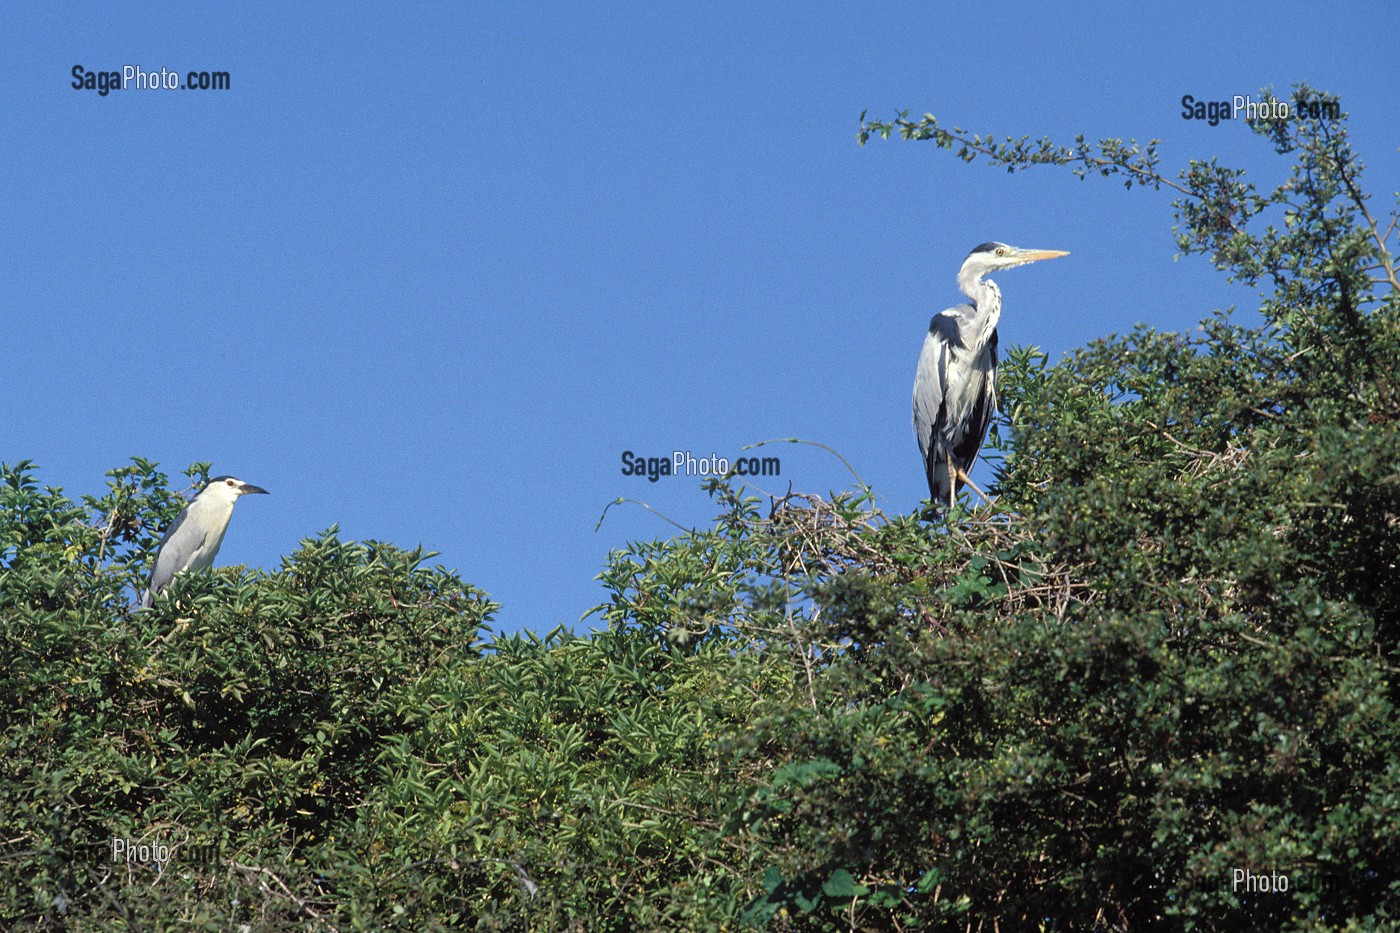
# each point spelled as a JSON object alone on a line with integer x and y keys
{"x": 217, "y": 511}
{"x": 986, "y": 309}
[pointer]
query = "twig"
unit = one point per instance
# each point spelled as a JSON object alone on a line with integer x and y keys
{"x": 621, "y": 499}
{"x": 830, "y": 450}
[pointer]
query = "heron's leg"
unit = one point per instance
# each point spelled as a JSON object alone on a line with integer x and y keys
{"x": 953, "y": 473}
{"x": 973, "y": 486}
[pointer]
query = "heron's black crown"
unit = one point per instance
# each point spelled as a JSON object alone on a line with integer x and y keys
{"x": 991, "y": 246}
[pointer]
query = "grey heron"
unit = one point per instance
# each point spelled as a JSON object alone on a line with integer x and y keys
{"x": 955, "y": 394}
{"x": 193, "y": 539}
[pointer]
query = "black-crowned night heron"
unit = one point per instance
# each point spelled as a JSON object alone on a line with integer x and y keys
{"x": 192, "y": 541}
{"x": 955, "y": 386}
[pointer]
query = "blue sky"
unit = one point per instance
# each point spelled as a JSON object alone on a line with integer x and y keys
{"x": 426, "y": 272}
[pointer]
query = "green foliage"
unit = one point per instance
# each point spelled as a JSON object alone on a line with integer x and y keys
{"x": 1167, "y": 654}
{"x": 596, "y": 798}
{"x": 1180, "y": 656}
{"x": 241, "y": 716}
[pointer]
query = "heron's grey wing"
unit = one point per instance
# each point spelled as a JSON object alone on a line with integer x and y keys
{"x": 176, "y": 551}
{"x": 984, "y": 409}
{"x": 930, "y": 385}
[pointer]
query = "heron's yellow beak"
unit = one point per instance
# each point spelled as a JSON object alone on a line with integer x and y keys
{"x": 1035, "y": 255}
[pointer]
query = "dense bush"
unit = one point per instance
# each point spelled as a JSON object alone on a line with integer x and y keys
{"x": 1166, "y": 655}
{"x": 240, "y": 718}
{"x": 1175, "y": 658}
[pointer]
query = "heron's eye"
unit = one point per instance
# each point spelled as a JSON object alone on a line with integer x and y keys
{"x": 228, "y": 482}
{"x": 1001, "y": 252}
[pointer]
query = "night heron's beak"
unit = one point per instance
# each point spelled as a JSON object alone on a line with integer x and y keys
{"x": 1035, "y": 255}
{"x": 248, "y": 487}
